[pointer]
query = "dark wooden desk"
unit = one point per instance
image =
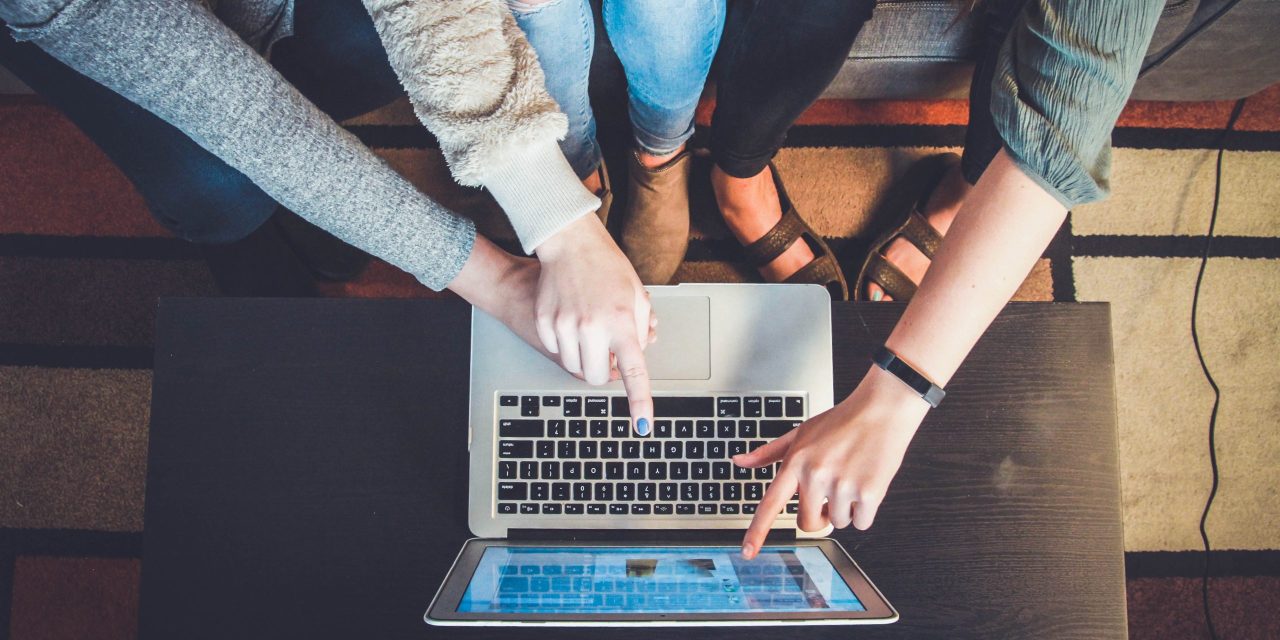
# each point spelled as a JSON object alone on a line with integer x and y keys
{"x": 308, "y": 468}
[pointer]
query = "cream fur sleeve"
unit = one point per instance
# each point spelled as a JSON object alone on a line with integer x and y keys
{"x": 476, "y": 84}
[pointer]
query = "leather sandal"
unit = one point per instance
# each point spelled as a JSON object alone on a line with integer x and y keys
{"x": 823, "y": 269}
{"x": 911, "y": 224}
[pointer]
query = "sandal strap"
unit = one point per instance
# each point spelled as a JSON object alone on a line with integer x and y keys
{"x": 919, "y": 232}
{"x": 791, "y": 228}
{"x": 775, "y": 242}
{"x": 890, "y": 278}
{"x": 821, "y": 270}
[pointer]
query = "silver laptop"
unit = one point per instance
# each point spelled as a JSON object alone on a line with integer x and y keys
{"x": 584, "y": 522}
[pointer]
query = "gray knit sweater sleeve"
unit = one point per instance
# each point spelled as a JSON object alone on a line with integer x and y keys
{"x": 1061, "y": 79}
{"x": 175, "y": 59}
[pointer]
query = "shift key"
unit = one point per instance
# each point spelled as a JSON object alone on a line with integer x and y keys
{"x": 776, "y": 428}
{"x": 520, "y": 428}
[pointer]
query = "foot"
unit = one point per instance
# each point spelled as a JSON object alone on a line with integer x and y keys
{"x": 751, "y": 208}
{"x": 259, "y": 265}
{"x": 940, "y": 210}
{"x": 327, "y": 257}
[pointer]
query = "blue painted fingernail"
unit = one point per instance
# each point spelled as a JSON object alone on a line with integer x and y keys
{"x": 877, "y": 295}
{"x": 642, "y": 426}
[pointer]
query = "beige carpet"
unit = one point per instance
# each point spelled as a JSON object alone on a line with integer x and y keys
{"x": 1164, "y": 401}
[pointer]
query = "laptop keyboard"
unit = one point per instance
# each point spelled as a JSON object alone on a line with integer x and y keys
{"x": 579, "y": 455}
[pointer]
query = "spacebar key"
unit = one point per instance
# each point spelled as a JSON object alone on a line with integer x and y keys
{"x": 683, "y": 407}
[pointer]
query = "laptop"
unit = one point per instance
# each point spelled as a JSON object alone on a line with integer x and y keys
{"x": 580, "y": 521}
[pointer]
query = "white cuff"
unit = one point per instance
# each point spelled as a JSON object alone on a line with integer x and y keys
{"x": 540, "y": 193}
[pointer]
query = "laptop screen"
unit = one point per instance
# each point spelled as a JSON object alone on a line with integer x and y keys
{"x": 655, "y": 580}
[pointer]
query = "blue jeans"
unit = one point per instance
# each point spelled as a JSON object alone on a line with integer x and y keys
{"x": 665, "y": 46}
{"x": 335, "y": 59}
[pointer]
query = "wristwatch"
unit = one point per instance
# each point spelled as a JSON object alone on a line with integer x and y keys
{"x": 889, "y": 361}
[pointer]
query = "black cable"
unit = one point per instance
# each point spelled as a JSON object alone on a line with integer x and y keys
{"x": 1217, "y": 394}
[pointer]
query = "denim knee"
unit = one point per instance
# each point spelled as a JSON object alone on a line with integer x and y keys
{"x": 666, "y": 49}
{"x": 212, "y": 205}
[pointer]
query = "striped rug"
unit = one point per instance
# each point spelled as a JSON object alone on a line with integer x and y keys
{"x": 82, "y": 264}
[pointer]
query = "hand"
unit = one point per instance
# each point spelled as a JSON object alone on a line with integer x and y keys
{"x": 506, "y": 287}
{"x": 502, "y": 286}
{"x": 591, "y": 307}
{"x": 841, "y": 461}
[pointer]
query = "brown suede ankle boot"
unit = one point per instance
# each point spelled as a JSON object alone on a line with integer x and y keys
{"x": 605, "y": 194}
{"x": 655, "y": 231}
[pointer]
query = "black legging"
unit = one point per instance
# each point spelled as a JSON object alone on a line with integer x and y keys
{"x": 981, "y": 139}
{"x": 778, "y": 56}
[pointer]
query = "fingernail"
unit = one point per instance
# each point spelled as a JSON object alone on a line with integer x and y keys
{"x": 877, "y": 295}
{"x": 642, "y": 426}
{"x": 747, "y": 550}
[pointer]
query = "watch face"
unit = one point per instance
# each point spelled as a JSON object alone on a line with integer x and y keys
{"x": 889, "y": 361}
{"x": 909, "y": 376}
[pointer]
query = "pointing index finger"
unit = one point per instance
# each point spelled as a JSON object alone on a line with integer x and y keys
{"x": 783, "y": 487}
{"x": 635, "y": 377}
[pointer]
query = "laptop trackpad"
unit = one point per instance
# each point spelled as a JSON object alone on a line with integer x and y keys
{"x": 683, "y": 349}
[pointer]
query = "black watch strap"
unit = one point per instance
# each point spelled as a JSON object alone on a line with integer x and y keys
{"x": 889, "y": 361}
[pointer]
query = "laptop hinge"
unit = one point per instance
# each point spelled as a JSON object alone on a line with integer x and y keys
{"x": 775, "y": 536}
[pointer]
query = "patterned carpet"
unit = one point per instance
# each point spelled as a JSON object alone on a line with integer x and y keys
{"x": 82, "y": 264}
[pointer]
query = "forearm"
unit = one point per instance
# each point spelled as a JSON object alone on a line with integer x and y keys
{"x": 479, "y": 282}
{"x": 1061, "y": 79}
{"x": 176, "y": 60}
{"x": 841, "y": 461}
{"x": 1002, "y": 228}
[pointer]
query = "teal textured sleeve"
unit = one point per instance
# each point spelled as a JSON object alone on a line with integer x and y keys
{"x": 1061, "y": 79}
